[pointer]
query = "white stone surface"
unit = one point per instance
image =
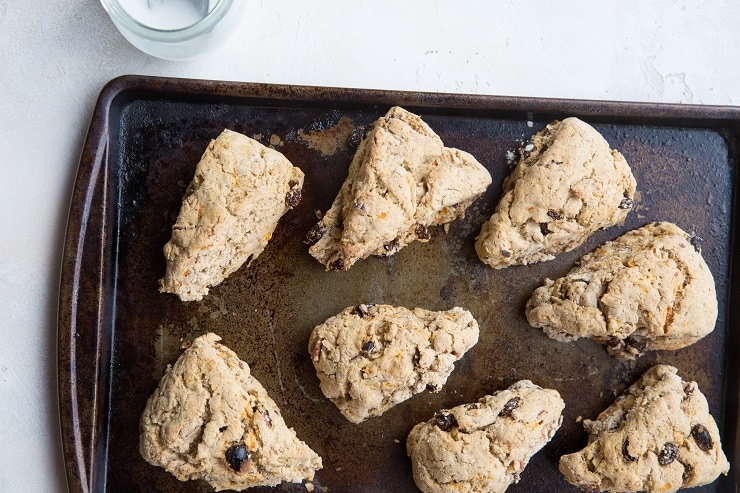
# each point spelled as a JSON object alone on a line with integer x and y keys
{"x": 55, "y": 55}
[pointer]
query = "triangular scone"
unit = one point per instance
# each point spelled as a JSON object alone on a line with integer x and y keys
{"x": 401, "y": 181}
{"x": 648, "y": 289}
{"x": 484, "y": 446}
{"x": 211, "y": 419}
{"x": 371, "y": 357}
{"x": 657, "y": 437}
{"x": 230, "y": 209}
{"x": 568, "y": 184}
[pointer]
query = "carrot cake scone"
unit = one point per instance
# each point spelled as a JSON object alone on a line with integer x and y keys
{"x": 657, "y": 437}
{"x": 211, "y": 419}
{"x": 371, "y": 357}
{"x": 648, "y": 289}
{"x": 568, "y": 184}
{"x": 231, "y": 208}
{"x": 401, "y": 181}
{"x": 484, "y": 446}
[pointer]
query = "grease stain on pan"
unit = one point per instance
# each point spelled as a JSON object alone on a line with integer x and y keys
{"x": 328, "y": 141}
{"x": 640, "y": 207}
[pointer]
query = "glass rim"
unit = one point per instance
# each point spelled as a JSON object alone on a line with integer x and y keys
{"x": 120, "y": 15}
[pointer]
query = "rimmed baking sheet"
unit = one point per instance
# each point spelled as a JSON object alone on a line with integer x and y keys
{"x": 117, "y": 334}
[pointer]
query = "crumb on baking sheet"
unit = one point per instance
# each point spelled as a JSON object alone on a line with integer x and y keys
{"x": 510, "y": 157}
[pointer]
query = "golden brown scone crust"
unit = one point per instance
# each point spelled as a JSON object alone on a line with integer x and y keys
{"x": 657, "y": 437}
{"x": 371, "y": 357}
{"x": 568, "y": 183}
{"x": 484, "y": 446}
{"x": 208, "y": 402}
{"x": 231, "y": 208}
{"x": 648, "y": 289}
{"x": 401, "y": 181}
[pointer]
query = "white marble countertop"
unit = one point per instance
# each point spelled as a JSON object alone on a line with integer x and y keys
{"x": 57, "y": 55}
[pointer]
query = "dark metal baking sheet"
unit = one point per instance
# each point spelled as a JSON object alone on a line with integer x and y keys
{"x": 117, "y": 333}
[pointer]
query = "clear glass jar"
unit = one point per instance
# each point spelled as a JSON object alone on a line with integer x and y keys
{"x": 156, "y": 31}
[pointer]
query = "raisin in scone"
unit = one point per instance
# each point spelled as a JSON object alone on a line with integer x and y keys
{"x": 657, "y": 437}
{"x": 401, "y": 181}
{"x": 211, "y": 419}
{"x": 371, "y": 357}
{"x": 484, "y": 446}
{"x": 231, "y": 208}
{"x": 648, "y": 289}
{"x": 568, "y": 184}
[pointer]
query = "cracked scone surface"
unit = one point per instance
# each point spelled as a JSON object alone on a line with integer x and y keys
{"x": 231, "y": 208}
{"x": 657, "y": 437}
{"x": 371, "y": 357}
{"x": 648, "y": 289}
{"x": 484, "y": 446}
{"x": 211, "y": 419}
{"x": 401, "y": 181}
{"x": 568, "y": 184}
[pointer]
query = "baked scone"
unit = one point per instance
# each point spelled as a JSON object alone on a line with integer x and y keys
{"x": 484, "y": 446}
{"x": 657, "y": 437}
{"x": 648, "y": 289}
{"x": 401, "y": 181}
{"x": 211, "y": 419}
{"x": 568, "y": 184}
{"x": 230, "y": 209}
{"x": 371, "y": 357}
